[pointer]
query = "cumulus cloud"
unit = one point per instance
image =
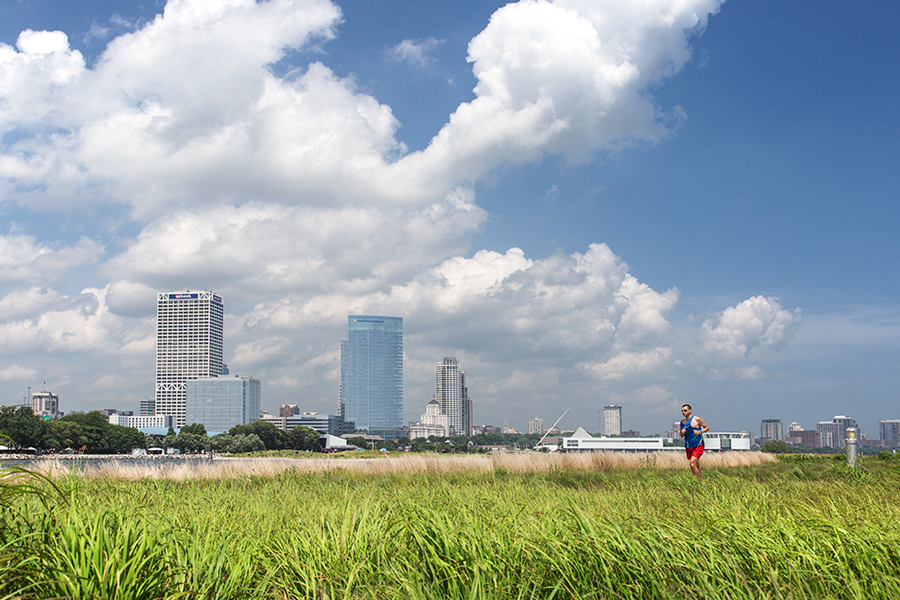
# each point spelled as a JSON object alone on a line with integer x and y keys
{"x": 25, "y": 260}
{"x": 293, "y": 197}
{"x": 741, "y": 333}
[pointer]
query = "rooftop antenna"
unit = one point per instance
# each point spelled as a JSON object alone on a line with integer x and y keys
{"x": 551, "y": 429}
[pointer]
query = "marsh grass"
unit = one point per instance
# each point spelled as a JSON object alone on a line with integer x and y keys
{"x": 592, "y": 529}
{"x": 395, "y": 464}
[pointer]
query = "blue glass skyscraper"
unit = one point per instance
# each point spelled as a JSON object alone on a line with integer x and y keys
{"x": 372, "y": 374}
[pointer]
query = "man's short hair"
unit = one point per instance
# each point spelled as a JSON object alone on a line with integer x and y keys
{"x": 688, "y": 405}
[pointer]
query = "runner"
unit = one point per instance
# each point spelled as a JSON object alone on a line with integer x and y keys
{"x": 692, "y": 430}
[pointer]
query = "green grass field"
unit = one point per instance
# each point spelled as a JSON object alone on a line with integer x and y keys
{"x": 796, "y": 528}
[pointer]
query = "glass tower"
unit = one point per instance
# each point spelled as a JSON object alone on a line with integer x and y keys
{"x": 372, "y": 374}
{"x": 220, "y": 403}
{"x": 188, "y": 345}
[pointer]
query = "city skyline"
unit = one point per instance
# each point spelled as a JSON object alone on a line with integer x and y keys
{"x": 587, "y": 202}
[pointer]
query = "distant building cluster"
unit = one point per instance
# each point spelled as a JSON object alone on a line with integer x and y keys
{"x": 194, "y": 385}
{"x": 450, "y": 411}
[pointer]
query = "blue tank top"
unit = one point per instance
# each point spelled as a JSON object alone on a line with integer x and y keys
{"x": 692, "y": 437}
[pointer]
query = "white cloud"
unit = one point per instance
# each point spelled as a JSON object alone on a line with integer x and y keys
{"x": 740, "y": 334}
{"x": 415, "y": 52}
{"x": 24, "y": 260}
{"x": 17, "y": 373}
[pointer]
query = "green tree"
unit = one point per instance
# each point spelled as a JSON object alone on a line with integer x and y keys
{"x": 63, "y": 434}
{"x": 246, "y": 443}
{"x": 303, "y": 438}
{"x": 124, "y": 439}
{"x": 94, "y": 428}
{"x": 195, "y": 428}
{"x": 189, "y": 442}
{"x": 271, "y": 436}
{"x": 358, "y": 441}
{"x": 776, "y": 447}
{"x": 22, "y": 426}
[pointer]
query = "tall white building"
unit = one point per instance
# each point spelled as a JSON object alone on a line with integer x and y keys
{"x": 45, "y": 404}
{"x": 452, "y": 395}
{"x": 188, "y": 346}
{"x": 536, "y": 425}
{"x": 612, "y": 419}
{"x": 832, "y": 433}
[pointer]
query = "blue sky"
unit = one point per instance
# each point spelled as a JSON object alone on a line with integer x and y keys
{"x": 604, "y": 216}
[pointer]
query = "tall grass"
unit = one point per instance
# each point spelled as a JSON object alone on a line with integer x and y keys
{"x": 557, "y": 530}
{"x": 392, "y": 464}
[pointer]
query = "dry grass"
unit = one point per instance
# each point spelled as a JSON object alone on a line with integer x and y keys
{"x": 230, "y": 468}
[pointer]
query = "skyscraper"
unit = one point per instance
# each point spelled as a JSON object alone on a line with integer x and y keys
{"x": 451, "y": 393}
{"x": 771, "y": 429}
{"x": 612, "y": 419}
{"x": 372, "y": 374}
{"x": 890, "y": 432}
{"x": 188, "y": 345}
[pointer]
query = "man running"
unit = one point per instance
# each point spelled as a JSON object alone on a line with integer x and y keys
{"x": 692, "y": 430}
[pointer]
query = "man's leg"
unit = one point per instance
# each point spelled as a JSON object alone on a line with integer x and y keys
{"x": 695, "y": 467}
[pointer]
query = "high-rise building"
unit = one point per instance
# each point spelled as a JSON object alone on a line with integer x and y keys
{"x": 889, "y": 431}
{"x": 45, "y": 404}
{"x": 188, "y": 346}
{"x": 771, "y": 429}
{"x": 452, "y": 395}
{"x": 220, "y": 403}
{"x": 612, "y": 419}
{"x": 536, "y": 425}
{"x": 372, "y": 374}
{"x": 832, "y": 433}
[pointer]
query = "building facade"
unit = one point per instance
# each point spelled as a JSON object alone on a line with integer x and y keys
{"x": 142, "y": 421}
{"x": 432, "y": 422}
{"x": 326, "y": 424}
{"x": 612, "y": 419}
{"x": 452, "y": 395}
{"x": 220, "y": 403}
{"x": 371, "y": 392}
{"x": 832, "y": 433}
{"x": 889, "y": 431}
{"x": 189, "y": 345}
{"x": 148, "y": 407}
{"x": 45, "y": 404}
{"x": 771, "y": 429}
{"x": 536, "y": 425}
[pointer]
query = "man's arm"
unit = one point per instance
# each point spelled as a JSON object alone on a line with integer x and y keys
{"x": 703, "y": 426}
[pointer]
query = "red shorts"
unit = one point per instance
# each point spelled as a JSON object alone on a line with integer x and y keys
{"x": 695, "y": 451}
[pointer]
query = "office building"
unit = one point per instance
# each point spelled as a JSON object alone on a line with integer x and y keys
{"x": 889, "y": 431}
{"x": 188, "y": 345}
{"x": 330, "y": 424}
{"x": 770, "y": 429}
{"x": 612, "y": 419}
{"x": 452, "y": 395}
{"x": 142, "y": 421}
{"x": 45, "y": 404}
{"x": 371, "y": 392}
{"x": 832, "y": 433}
{"x": 220, "y": 403}
{"x": 536, "y": 425}
{"x": 148, "y": 407}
